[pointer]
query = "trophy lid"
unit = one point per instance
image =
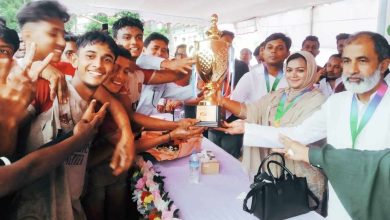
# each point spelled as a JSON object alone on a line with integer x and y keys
{"x": 213, "y": 32}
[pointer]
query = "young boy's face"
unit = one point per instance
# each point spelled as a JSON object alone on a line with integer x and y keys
{"x": 131, "y": 38}
{"x": 6, "y": 50}
{"x": 94, "y": 63}
{"x": 69, "y": 50}
{"x": 157, "y": 48}
{"x": 48, "y": 36}
{"x": 120, "y": 75}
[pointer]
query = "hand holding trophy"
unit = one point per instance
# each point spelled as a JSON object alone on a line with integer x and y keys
{"x": 211, "y": 61}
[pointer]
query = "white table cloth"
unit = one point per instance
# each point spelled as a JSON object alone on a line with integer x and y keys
{"x": 216, "y": 197}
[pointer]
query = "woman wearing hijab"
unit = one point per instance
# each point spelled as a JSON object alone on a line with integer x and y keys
{"x": 286, "y": 107}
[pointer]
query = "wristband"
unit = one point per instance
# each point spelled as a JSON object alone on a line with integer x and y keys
{"x": 6, "y": 161}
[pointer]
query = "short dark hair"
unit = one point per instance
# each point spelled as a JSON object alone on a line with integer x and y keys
{"x": 181, "y": 46}
{"x": 126, "y": 22}
{"x": 184, "y": 46}
{"x": 10, "y": 36}
{"x": 256, "y": 52}
{"x": 123, "y": 52}
{"x": 311, "y": 38}
{"x": 382, "y": 48}
{"x": 342, "y": 36}
{"x": 70, "y": 37}
{"x": 3, "y": 21}
{"x": 228, "y": 33}
{"x": 336, "y": 55}
{"x": 42, "y": 11}
{"x": 93, "y": 37}
{"x": 281, "y": 36}
{"x": 155, "y": 36}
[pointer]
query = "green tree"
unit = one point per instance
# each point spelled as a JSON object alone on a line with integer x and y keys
{"x": 388, "y": 30}
{"x": 70, "y": 25}
{"x": 9, "y": 9}
{"x": 103, "y": 18}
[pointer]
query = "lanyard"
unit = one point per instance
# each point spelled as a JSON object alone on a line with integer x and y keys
{"x": 353, "y": 119}
{"x": 276, "y": 82}
{"x": 281, "y": 110}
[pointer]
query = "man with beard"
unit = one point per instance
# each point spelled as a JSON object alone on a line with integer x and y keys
{"x": 332, "y": 80}
{"x": 357, "y": 118}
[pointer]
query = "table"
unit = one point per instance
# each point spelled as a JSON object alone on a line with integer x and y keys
{"x": 216, "y": 196}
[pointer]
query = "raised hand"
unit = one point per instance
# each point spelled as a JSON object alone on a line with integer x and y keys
{"x": 181, "y": 65}
{"x": 183, "y": 134}
{"x": 292, "y": 149}
{"x": 91, "y": 120}
{"x": 123, "y": 156}
{"x": 58, "y": 84}
{"x": 16, "y": 93}
{"x": 187, "y": 122}
{"x": 17, "y": 85}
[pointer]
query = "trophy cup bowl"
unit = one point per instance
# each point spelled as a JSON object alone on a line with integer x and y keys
{"x": 211, "y": 61}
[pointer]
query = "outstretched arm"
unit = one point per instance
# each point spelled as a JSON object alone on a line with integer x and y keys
{"x": 124, "y": 151}
{"x": 164, "y": 76}
{"x": 236, "y": 108}
{"x": 150, "y": 122}
{"x": 178, "y": 133}
{"x": 52, "y": 154}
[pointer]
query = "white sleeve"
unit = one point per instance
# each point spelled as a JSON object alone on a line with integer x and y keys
{"x": 312, "y": 129}
{"x": 181, "y": 93}
{"x": 240, "y": 92}
{"x": 149, "y": 62}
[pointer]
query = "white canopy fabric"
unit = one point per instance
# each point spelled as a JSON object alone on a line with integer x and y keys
{"x": 195, "y": 12}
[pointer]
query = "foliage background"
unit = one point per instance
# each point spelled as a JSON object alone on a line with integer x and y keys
{"x": 9, "y": 9}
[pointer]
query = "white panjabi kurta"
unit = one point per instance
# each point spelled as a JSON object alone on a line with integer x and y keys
{"x": 325, "y": 87}
{"x": 332, "y": 122}
{"x": 252, "y": 85}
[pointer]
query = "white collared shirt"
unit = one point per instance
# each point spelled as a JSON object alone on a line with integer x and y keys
{"x": 149, "y": 62}
{"x": 151, "y": 94}
{"x": 252, "y": 85}
{"x": 387, "y": 79}
{"x": 325, "y": 87}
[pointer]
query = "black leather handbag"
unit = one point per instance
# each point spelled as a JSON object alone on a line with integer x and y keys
{"x": 281, "y": 197}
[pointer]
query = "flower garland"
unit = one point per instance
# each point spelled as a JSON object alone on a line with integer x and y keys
{"x": 148, "y": 192}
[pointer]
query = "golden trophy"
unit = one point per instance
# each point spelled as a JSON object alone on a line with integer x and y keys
{"x": 211, "y": 57}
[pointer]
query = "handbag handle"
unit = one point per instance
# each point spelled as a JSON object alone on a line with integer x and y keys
{"x": 270, "y": 155}
{"x": 251, "y": 194}
{"x": 282, "y": 166}
{"x": 310, "y": 193}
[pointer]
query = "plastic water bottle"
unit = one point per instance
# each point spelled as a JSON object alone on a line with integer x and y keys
{"x": 194, "y": 168}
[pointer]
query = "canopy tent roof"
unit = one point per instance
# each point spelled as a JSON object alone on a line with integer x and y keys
{"x": 191, "y": 12}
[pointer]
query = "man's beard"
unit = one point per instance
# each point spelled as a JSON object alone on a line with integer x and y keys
{"x": 331, "y": 77}
{"x": 365, "y": 85}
